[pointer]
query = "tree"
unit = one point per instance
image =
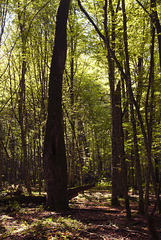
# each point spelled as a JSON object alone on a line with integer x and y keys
{"x": 114, "y": 121}
{"x": 22, "y": 96}
{"x": 3, "y": 15}
{"x": 155, "y": 19}
{"x": 55, "y": 166}
{"x": 119, "y": 61}
{"x": 133, "y": 121}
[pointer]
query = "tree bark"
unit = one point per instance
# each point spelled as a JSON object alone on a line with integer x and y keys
{"x": 110, "y": 53}
{"x": 133, "y": 121}
{"x": 157, "y": 24}
{"x": 22, "y": 92}
{"x": 71, "y": 169}
{"x": 115, "y": 160}
{"x": 1, "y": 164}
{"x": 121, "y": 151}
{"x": 55, "y": 166}
{"x": 155, "y": 19}
{"x": 3, "y": 15}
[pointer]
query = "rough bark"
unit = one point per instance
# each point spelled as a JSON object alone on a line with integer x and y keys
{"x": 55, "y": 166}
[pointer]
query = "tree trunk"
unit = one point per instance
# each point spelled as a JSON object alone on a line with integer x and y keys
{"x": 133, "y": 121}
{"x": 12, "y": 163}
{"x": 149, "y": 112}
{"x": 3, "y": 15}
{"x": 121, "y": 151}
{"x": 1, "y": 164}
{"x": 22, "y": 107}
{"x": 55, "y": 166}
{"x": 72, "y": 101}
{"x": 157, "y": 24}
{"x": 115, "y": 159}
{"x": 71, "y": 172}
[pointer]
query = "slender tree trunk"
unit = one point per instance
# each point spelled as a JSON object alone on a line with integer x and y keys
{"x": 115, "y": 159}
{"x": 133, "y": 121}
{"x": 39, "y": 173}
{"x": 79, "y": 149}
{"x": 22, "y": 108}
{"x": 55, "y": 165}
{"x": 1, "y": 154}
{"x": 3, "y": 15}
{"x": 140, "y": 80}
{"x": 155, "y": 19}
{"x": 71, "y": 161}
{"x": 121, "y": 151}
{"x": 118, "y": 158}
{"x": 149, "y": 112}
{"x": 12, "y": 163}
{"x": 157, "y": 24}
{"x": 149, "y": 119}
{"x": 111, "y": 58}
{"x": 156, "y": 159}
{"x": 1, "y": 164}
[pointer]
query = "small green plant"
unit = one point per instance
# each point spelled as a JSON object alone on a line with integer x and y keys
{"x": 13, "y": 207}
{"x": 68, "y": 223}
{"x": 103, "y": 184}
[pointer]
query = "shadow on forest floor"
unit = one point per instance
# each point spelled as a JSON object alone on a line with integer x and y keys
{"x": 90, "y": 217}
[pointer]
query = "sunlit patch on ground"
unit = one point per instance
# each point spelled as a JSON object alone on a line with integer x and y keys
{"x": 90, "y": 217}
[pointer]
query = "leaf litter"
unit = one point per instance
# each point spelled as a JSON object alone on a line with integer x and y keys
{"x": 90, "y": 216}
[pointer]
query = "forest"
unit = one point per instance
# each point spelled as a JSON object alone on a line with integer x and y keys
{"x": 80, "y": 119}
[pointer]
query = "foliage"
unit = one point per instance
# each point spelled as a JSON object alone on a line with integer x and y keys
{"x": 104, "y": 184}
{"x": 27, "y": 30}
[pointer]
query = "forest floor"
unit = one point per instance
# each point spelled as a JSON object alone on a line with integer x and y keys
{"x": 90, "y": 217}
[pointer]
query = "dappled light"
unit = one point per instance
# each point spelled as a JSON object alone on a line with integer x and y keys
{"x": 90, "y": 216}
{"x": 80, "y": 119}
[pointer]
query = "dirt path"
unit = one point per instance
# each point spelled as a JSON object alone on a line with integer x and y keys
{"x": 90, "y": 217}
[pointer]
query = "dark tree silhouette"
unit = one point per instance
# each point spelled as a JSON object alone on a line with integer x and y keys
{"x": 55, "y": 166}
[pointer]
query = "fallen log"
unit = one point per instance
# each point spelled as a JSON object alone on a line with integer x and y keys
{"x": 72, "y": 192}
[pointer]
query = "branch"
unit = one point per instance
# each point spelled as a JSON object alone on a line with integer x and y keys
{"x": 118, "y": 66}
{"x": 5, "y": 149}
{"x": 37, "y": 14}
{"x": 103, "y": 38}
{"x": 144, "y": 8}
{"x": 91, "y": 21}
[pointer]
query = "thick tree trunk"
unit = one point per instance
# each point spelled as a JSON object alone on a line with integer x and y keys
{"x": 55, "y": 166}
